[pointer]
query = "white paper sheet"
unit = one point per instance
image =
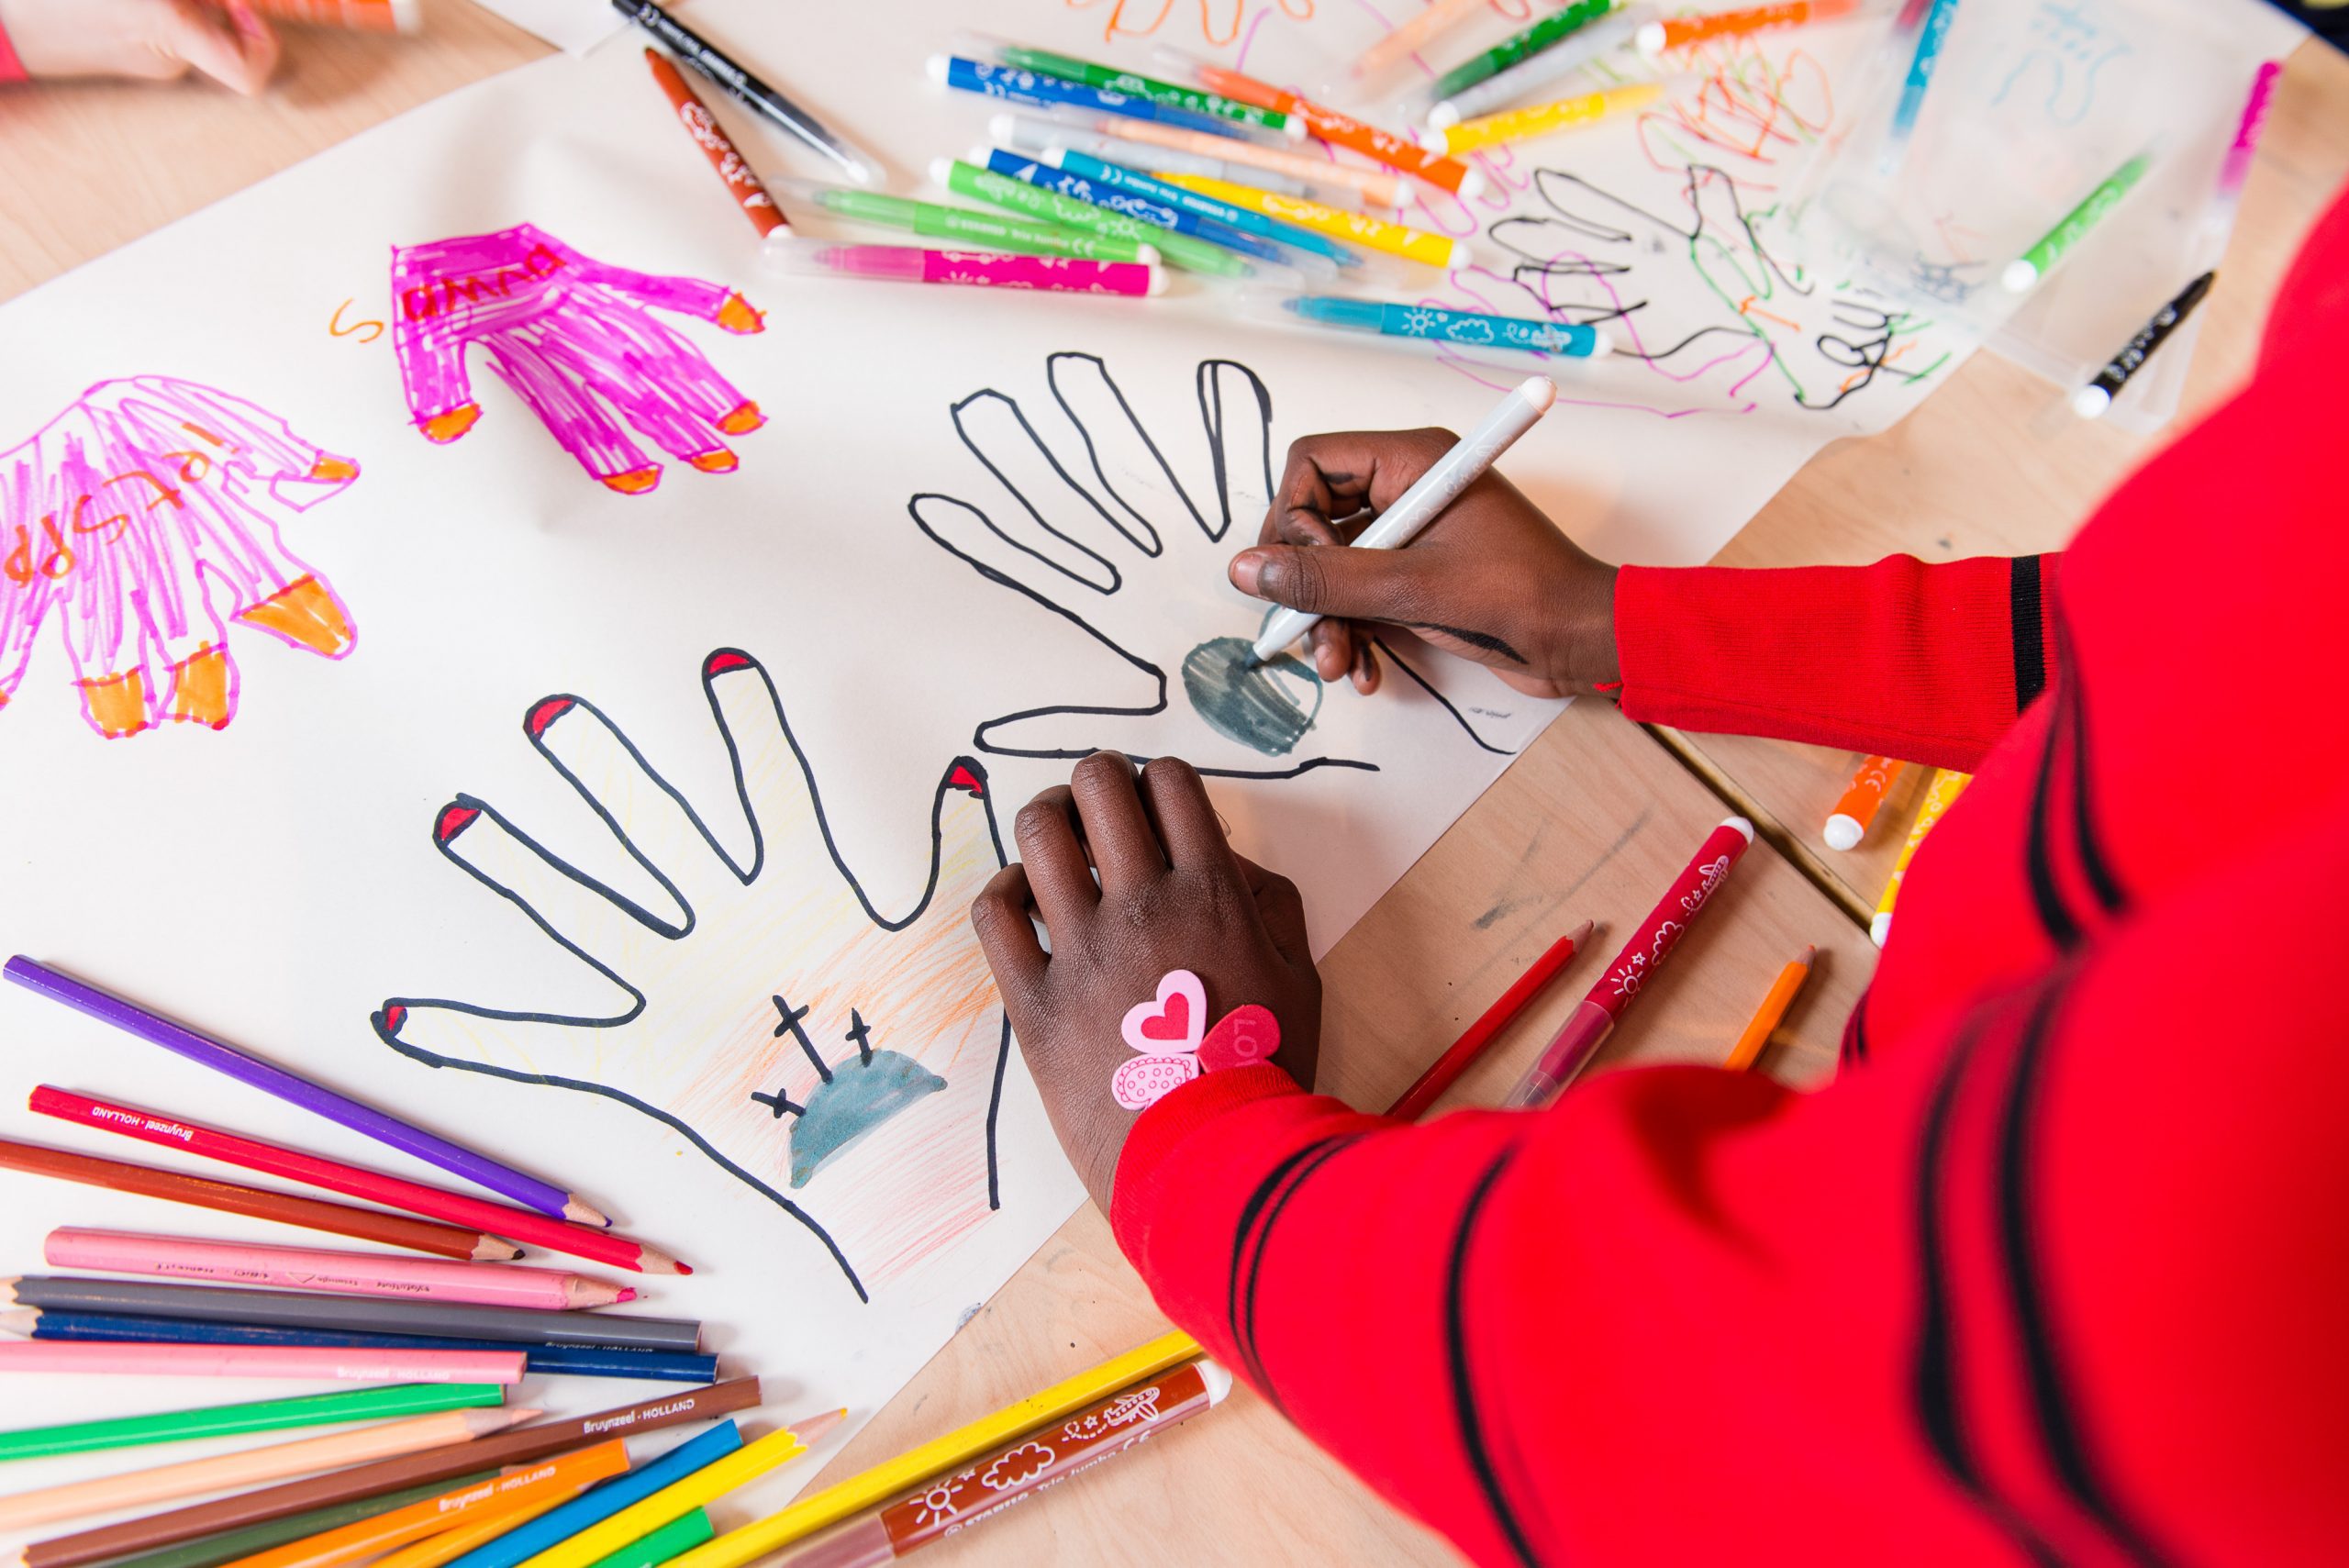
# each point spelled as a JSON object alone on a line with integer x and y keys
{"x": 387, "y": 756}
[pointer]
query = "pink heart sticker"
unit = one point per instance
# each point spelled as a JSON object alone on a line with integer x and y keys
{"x": 1142, "y": 1081}
{"x": 1170, "y": 1024}
{"x": 1245, "y": 1036}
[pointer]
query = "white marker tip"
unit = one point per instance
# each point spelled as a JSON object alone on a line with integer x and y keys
{"x": 1443, "y": 116}
{"x": 1053, "y": 155}
{"x": 1157, "y": 281}
{"x": 1601, "y": 346}
{"x": 1003, "y": 127}
{"x": 938, "y": 66}
{"x": 979, "y": 155}
{"x": 1879, "y": 929}
{"x": 1841, "y": 832}
{"x": 1294, "y": 128}
{"x": 942, "y": 171}
{"x": 1649, "y": 40}
{"x": 1473, "y": 187}
{"x": 1740, "y": 823}
{"x": 2090, "y": 402}
{"x": 1434, "y": 141}
{"x": 1218, "y": 1381}
{"x": 1463, "y": 255}
{"x": 1147, "y": 255}
{"x": 2019, "y": 276}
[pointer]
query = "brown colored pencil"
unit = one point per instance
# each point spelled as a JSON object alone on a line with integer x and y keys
{"x": 285, "y": 1208}
{"x": 384, "y": 1475}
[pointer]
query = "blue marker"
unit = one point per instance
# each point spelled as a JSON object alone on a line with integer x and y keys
{"x": 1036, "y": 90}
{"x": 1464, "y": 329}
{"x": 1929, "y": 39}
{"x": 1120, "y": 178}
{"x": 1140, "y": 208}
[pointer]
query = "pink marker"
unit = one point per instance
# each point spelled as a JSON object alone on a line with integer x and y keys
{"x": 304, "y": 1363}
{"x": 981, "y": 269}
{"x": 2220, "y": 220}
{"x": 263, "y": 1267}
{"x": 1587, "y": 1027}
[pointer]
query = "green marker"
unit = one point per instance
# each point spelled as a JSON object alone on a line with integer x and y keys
{"x": 214, "y": 1550}
{"x": 674, "y": 1539}
{"x": 260, "y": 1415}
{"x": 960, "y": 227}
{"x": 2033, "y": 264}
{"x": 1051, "y": 207}
{"x": 1519, "y": 46}
{"x": 1150, "y": 89}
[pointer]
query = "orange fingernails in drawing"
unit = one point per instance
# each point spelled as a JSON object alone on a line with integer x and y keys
{"x": 718, "y": 462}
{"x": 334, "y": 470}
{"x": 116, "y": 704}
{"x": 448, "y": 426}
{"x": 203, "y": 690}
{"x": 636, "y": 481}
{"x": 306, "y": 614}
{"x": 744, "y": 420}
{"x": 737, "y": 315}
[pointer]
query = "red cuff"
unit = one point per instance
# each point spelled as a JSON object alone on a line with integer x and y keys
{"x": 11, "y": 68}
{"x": 1134, "y": 1193}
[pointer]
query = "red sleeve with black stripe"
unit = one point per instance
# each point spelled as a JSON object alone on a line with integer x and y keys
{"x": 1930, "y": 663}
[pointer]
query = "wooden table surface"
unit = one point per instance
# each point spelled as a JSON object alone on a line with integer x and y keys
{"x": 1590, "y": 823}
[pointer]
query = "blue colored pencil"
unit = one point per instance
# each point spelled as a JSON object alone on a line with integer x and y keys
{"x": 595, "y": 1507}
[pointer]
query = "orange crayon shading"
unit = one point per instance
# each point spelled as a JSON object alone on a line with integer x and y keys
{"x": 741, "y": 181}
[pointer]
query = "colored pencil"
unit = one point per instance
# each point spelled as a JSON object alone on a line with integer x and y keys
{"x": 358, "y": 1315}
{"x": 985, "y": 1487}
{"x": 560, "y": 1360}
{"x": 959, "y": 1447}
{"x": 451, "y": 1544}
{"x": 212, "y": 1550}
{"x": 1587, "y": 1027}
{"x": 1848, "y": 823}
{"x": 251, "y": 1467}
{"x": 297, "y": 1361}
{"x": 350, "y": 1273}
{"x": 733, "y": 170}
{"x": 1749, "y": 1046}
{"x": 746, "y": 89}
{"x": 593, "y": 1508}
{"x": 681, "y": 1496}
{"x": 258, "y": 1203}
{"x": 672, "y": 1540}
{"x": 254, "y": 1416}
{"x": 1472, "y": 1040}
{"x": 272, "y": 1079}
{"x": 1940, "y": 793}
{"x": 385, "y": 1532}
{"x": 434, "y": 1203}
{"x": 522, "y": 1446}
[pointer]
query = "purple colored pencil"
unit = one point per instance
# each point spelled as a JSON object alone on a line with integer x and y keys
{"x": 271, "y": 1079}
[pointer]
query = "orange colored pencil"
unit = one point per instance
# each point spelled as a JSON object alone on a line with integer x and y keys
{"x": 451, "y": 1544}
{"x": 1748, "y": 1049}
{"x": 741, "y": 181}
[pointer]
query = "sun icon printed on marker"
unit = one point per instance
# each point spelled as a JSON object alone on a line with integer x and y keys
{"x": 937, "y": 1503}
{"x": 1419, "y": 321}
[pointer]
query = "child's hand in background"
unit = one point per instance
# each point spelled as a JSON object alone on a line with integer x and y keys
{"x": 156, "y": 40}
{"x": 1492, "y": 579}
{"x": 1173, "y": 895}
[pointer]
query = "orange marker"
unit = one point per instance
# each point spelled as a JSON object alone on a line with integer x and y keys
{"x": 1338, "y": 130}
{"x": 1748, "y": 1049}
{"x": 361, "y": 15}
{"x": 1680, "y": 32}
{"x": 1848, "y": 823}
{"x": 742, "y": 180}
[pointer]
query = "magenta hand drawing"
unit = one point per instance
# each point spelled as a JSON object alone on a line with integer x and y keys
{"x": 143, "y": 519}
{"x": 573, "y": 338}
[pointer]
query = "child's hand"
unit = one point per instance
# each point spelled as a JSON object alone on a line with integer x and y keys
{"x": 1491, "y": 578}
{"x": 156, "y": 40}
{"x": 1172, "y": 895}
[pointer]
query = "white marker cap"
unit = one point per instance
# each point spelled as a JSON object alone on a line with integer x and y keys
{"x": 1218, "y": 1381}
{"x": 2090, "y": 402}
{"x": 979, "y": 154}
{"x": 1602, "y": 348}
{"x": 1473, "y": 187}
{"x": 942, "y": 171}
{"x": 938, "y": 66}
{"x": 1052, "y": 155}
{"x": 1649, "y": 40}
{"x": 1434, "y": 141}
{"x": 1147, "y": 255}
{"x": 1841, "y": 832}
{"x": 1294, "y": 128}
{"x": 1443, "y": 116}
{"x": 1463, "y": 255}
{"x": 1157, "y": 273}
{"x": 2019, "y": 276}
{"x": 1880, "y": 928}
{"x": 1542, "y": 393}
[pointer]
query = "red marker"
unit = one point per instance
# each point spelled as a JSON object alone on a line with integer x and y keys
{"x": 742, "y": 180}
{"x": 1587, "y": 1028}
{"x": 1470, "y": 1044}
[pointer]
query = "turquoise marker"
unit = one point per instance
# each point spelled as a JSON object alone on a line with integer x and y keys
{"x": 1464, "y": 329}
{"x": 1118, "y": 177}
{"x": 1929, "y": 39}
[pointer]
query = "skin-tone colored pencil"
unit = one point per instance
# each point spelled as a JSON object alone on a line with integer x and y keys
{"x": 252, "y": 1467}
{"x": 451, "y": 1544}
{"x": 672, "y": 1502}
{"x": 557, "y": 1477}
{"x": 1749, "y": 1047}
{"x": 304, "y": 1362}
{"x": 1473, "y": 1040}
{"x": 344, "y": 1273}
{"x": 215, "y": 1549}
{"x": 524, "y": 1445}
{"x": 259, "y": 1203}
{"x": 252, "y": 1416}
{"x": 271, "y": 1079}
{"x": 433, "y": 1203}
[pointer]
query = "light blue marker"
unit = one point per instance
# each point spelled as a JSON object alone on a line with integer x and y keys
{"x": 1468, "y": 329}
{"x": 1140, "y": 208}
{"x": 1036, "y": 90}
{"x": 1929, "y": 39}
{"x": 558, "y": 1524}
{"x": 1119, "y": 177}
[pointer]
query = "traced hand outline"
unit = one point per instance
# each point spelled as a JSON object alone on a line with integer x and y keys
{"x": 572, "y": 338}
{"x": 144, "y": 517}
{"x": 773, "y": 988}
{"x": 1097, "y": 555}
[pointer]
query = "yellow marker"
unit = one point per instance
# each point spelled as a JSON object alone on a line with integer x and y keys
{"x": 451, "y": 1544}
{"x": 1377, "y": 233}
{"x": 1748, "y": 1049}
{"x": 679, "y": 1498}
{"x": 1541, "y": 119}
{"x": 1940, "y": 794}
{"x": 914, "y": 1466}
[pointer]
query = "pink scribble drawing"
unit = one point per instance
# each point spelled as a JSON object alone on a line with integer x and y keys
{"x": 571, "y": 335}
{"x": 144, "y": 517}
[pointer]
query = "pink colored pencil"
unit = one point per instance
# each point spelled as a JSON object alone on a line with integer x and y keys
{"x": 84, "y": 1358}
{"x": 308, "y": 1268}
{"x": 252, "y": 1154}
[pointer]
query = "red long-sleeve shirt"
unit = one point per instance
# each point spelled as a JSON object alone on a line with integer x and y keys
{"x": 2057, "y": 1271}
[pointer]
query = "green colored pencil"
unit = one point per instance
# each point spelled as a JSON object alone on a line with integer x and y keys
{"x": 674, "y": 1539}
{"x": 260, "y": 1415}
{"x": 211, "y": 1550}
{"x": 1150, "y": 89}
{"x": 1183, "y": 251}
{"x": 1517, "y": 47}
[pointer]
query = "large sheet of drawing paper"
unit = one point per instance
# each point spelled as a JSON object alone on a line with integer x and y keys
{"x": 468, "y": 633}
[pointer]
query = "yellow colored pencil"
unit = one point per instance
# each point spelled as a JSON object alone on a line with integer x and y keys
{"x": 1541, "y": 119}
{"x": 705, "y": 1485}
{"x": 1376, "y": 233}
{"x": 1940, "y": 795}
{"x": 451, "y": 1544}
{"x": 914, "y": 1466}
{"x": 1748, "y": 1049}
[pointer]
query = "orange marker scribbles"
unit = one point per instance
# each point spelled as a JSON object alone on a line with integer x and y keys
{"x": 1848, "y": 823}
{"x": 742, "y": 180}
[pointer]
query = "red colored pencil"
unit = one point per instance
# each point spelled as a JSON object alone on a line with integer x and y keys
{"x": 252, "y": 1154}
{"x": 1478, "y": 1035}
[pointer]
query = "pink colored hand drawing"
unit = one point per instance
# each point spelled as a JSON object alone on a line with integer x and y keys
{"x": 572, "y": 336}
{"x": 143, "y": 517}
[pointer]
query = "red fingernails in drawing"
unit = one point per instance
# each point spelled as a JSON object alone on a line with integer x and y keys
{"x": 725, "y": 661}
{"x": 548, "y": 710}
{"x": 392, "y": 1017}
{"x": 967, "y": 778}
{"x": 454, "y": 818}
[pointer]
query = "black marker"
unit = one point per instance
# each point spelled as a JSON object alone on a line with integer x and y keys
{"x": 2092, "y": 400}
{"x": 713, "y": 62}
